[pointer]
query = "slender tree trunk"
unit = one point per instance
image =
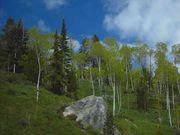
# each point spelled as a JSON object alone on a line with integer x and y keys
{"x": 168, "y": 105}
{"x": 159, "y": 101}
{"x": 150, "y": 69}
{"x": 132, "y": 85}
{"x": 120, "y": 99}
{"x": 92, "y": 82}
{"x": 114, "y": 95}
{"x": 39, "y": 76}
{"x": 127, "y": 83}
{"x": 178, "y": 86}
{"x": 14, "y": 66}
{"x": 173, "y": 96}
{"x": 99, "y": 70}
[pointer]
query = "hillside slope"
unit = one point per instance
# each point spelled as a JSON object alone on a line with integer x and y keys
{"x": 21, "y": 115}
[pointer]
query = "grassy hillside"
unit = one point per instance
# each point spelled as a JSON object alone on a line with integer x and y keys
{"x": 21, "y": 115}
{"x": 132, "y": 121}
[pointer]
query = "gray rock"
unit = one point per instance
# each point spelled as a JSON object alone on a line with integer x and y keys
{"x": 90, "y": 111}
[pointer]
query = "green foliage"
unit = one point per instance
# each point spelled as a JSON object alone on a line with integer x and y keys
{"x": 142, "y": 90}
{"x": 13, "y": 45}
{"x": 12, "y": 78}
{"x": 29, "y": 64}
{"x": 57, "y": 71}
{"x": 62, "y": 75}
{"x": 72, "y": 83}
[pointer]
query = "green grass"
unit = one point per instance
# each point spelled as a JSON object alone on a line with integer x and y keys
{"x": 141, "y": 123}
{"x": 132, "y": 121}
{"x": 21, "y": 115}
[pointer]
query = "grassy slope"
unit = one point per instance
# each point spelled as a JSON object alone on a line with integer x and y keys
{"x": 132, "y": 121}
{"x": 21, "y": 115}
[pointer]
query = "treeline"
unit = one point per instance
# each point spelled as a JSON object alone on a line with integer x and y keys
{"x": 44, "y": 58}
{"x": 146, "y": 73}
{"x": 49, "y": 59}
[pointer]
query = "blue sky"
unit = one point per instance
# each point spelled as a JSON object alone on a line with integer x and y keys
{"x": 83, "y": 17}
{"x": 128, "y": 21}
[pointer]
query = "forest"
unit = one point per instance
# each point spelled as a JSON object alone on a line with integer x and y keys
{"x": 140, "y": 84}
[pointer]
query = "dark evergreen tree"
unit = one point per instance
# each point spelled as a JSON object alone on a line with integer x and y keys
{"x": 6, "y": 46}
{"x": 13, "y": 40}
{"x": 65, "y": 47}
{"x": 67, "y": 55}
{"x": 57, "y": 75}
{"x": 20, "y": 39}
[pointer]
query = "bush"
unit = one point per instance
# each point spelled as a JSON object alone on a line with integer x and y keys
{"x": 11, "y": 92}
{"x": 12, "y": 78}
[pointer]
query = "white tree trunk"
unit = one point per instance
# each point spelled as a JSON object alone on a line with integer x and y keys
{"x": 168, "y": 106}
{"x": 167, "y": 96}
{"x": 39, "y": 76}
{"x": 127, "y": 83}
{"x": 92, "y": 82}
{"x": 114, "y": 96}
{"x": 178, "y": 86}
{"x": 120, "y": 100}
{"x": 132, "y": 85}
{"x": 173, "y": 96}
{"x": 14, "y": 66}
{"x": 99, "y": 70}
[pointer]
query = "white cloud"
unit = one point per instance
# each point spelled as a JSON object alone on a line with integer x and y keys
{"x": 51, "y": 4}
{"x": 75, "y": 44}
{"x": 146, "y": 20}
{"x": 43, "y": 26}
{"x": 114, "y": 5}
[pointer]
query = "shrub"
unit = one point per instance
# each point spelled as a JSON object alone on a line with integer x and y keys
{"x": 11, "y": 92}
{"x": 12, "y": 78}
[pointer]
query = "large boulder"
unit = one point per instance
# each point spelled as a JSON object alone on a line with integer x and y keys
{"x": 90, "y": 111}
